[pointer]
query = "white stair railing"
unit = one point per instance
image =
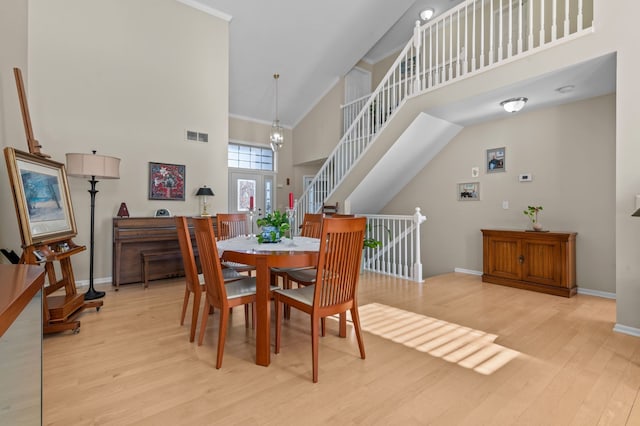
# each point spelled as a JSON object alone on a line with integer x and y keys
{"x": 350, "y": 111}
{"x": 399, "y": 254}
{"x": 468, "y": 38}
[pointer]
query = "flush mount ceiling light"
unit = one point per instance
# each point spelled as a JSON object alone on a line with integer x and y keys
{"x": 566, "y": 89}
{"x": 514, "y": 104}
{"x": 426, "y": 14}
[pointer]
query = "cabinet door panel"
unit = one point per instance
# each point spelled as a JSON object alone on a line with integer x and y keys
{"x": 504, "y": 261}
{"x": 541, "y": 262}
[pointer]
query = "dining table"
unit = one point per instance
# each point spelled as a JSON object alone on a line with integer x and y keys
{"x": 296, "y": 252}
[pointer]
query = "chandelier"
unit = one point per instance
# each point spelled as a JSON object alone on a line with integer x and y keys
{"x": 276, "y": 136}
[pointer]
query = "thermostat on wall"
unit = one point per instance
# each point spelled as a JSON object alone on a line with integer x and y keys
{"x": 526, "y": 177}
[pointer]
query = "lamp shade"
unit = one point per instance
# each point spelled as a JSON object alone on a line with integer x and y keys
{"x": 205, "y": 190}
{"x": 93, "y": 165}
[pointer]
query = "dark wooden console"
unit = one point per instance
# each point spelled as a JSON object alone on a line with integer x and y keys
{"x": 134, "y": 235}
{"x": 539, "y": 261}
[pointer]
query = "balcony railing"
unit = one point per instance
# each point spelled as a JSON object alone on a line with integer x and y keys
{"x": 350, "y": 111}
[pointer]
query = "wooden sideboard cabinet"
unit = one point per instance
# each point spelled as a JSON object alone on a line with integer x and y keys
{"x": 538, "y": 261}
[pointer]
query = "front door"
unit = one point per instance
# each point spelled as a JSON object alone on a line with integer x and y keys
{"x": 245, "y": 186}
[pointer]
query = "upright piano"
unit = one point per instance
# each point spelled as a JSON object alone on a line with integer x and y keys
{"x": 134, "y": 235}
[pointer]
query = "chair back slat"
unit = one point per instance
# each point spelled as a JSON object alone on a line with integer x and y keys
{"x": 230, "y": 225}
{"x": 188, "y": 257}
{"x": 341, "y": 243}
{"x": 311, "y": 225}
{"x": 210, "y": 262}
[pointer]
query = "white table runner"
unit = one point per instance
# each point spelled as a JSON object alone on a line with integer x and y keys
{"x": 286, "y": 244}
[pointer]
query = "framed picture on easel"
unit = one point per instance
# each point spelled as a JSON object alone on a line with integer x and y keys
{"x": 41, "y": 196}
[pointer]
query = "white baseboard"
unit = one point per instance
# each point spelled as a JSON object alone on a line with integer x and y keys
{"x": 586, "y": 291}
{"x": 632, "y": 331}
{"x": 467, "y": 271}
{"x": 597, "y": 293}
{"x": 85, "y": 283}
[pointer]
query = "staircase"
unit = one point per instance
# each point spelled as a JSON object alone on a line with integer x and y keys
{"x": 470, "y": 38}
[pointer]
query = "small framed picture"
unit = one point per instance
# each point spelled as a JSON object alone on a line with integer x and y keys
{"x": 166, "y": 181}
{"x": 496, "y": 160}
{"x": 469, "y": 191}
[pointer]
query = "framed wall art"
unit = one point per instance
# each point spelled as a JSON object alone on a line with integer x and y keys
{"x": 495, "y": 160}
{"x": 166, "y": 181}
{"x": 41, "y": 197}
{"x": 469, "y": 191}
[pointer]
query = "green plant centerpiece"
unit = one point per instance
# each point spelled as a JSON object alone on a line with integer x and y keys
{"x": 274, "y": 225}
{"x": 532, "y": 213}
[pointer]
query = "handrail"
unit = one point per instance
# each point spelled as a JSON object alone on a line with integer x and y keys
{"x": 468, "y": 38}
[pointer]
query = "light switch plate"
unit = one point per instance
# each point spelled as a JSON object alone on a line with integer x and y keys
{"x": 525, "y": 177}
{"x": 475, "y": 171}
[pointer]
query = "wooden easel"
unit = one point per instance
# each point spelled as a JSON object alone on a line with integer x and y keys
{"x": 60, "y": 312}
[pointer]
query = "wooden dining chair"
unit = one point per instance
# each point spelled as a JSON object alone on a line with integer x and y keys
{"x": 329, "y": 209}
{"x": 219, "y": 295}
{"x": 311, "y": 228}
{"x": 194, "y": 282}
{"x": 231, "y": 225}
{"x": 311, "y": 225}
{"x": 336, "y": 286}
{"x": 304, "y": 276}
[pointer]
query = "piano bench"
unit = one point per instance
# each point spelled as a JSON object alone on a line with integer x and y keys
{"x": 156, "y": 256}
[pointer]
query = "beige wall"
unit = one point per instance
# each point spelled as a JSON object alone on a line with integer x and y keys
{"x": 126, "y": 79}
{"x": 569, "y": 150}
{"x": 319, "y": 131}
{"x": 13, "y": 45}
{"x": 381, "y": 67}
{"x": 617, "y": 19}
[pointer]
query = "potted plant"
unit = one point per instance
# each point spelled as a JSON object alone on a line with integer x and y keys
{"x": 274, "y": 225}
{"x": 371, "y": 243}
{"x": 532, "y": 213}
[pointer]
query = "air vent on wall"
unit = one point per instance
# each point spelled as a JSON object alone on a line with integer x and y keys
{"x": 197, "y": 136}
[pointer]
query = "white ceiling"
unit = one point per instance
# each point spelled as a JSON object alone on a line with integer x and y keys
{"x": 310, "y": 44}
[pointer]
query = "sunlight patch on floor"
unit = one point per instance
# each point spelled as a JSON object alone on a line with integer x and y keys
{"x": 469, "y": 348}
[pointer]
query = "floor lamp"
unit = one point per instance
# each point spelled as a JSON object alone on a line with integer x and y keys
{"x": 93, "y": 166}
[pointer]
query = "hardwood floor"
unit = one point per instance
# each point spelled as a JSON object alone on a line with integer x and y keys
{"x": 132, "y": 362}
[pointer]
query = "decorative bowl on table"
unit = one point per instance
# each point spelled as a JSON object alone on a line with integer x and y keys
{"x": 274, "y": 225}
{"x": 270, "y": 234}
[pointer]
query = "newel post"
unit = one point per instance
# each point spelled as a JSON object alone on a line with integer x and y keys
{"x": 418, "y": 219}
